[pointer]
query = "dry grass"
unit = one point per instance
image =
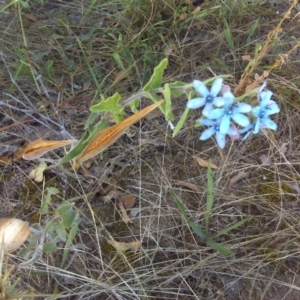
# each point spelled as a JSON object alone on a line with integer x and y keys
{"x": 78, "y": 48}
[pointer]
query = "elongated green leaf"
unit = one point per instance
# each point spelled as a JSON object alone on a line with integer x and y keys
{"x": 167, "y": 106}
{"x": 198, "y": 230}
{"x": 210, "y": 197}
{"x": 157, "y": 76}
{"x": 218, "y": 247}
{"x": 47, "y": 199}
{"x": 10, "y": 3}
{"x": 234, "y": 226}
{"x": 181, "y": 121}
{"x": 71, "y": 236}
{"x": 190, "y": 222}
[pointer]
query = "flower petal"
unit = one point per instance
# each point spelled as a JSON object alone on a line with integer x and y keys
{"x": 240, "y": 119}
{"x": 268, "y": 123}
{"x": 200, "y": 87}
{"x": 247, "y": 128}
{"x": 272, "y": 109}
{"x": 228, "y": 98}
{"x": 265, "y": 97}
{"x": 243, "y": 107}
{"x": 257, "y": 126}
{"x": 233, "y": 132}
{"x": 260, "y": 90}
{"x": 207, "y": 108}
{"x": 216, "y": 87}
{"x": 206, "y": 122}
{"x": 255, "y": 111}
{"x": 225, "y": 124}
{"x": 206, "y": 134}
{"x": 220, "y": 139}
{"x": 195, "y": 103}
{"x": 215, "y": 113}
{"x": 218, "y": 101}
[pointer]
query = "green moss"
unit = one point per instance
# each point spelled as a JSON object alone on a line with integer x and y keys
{"x": 275, "y": 192}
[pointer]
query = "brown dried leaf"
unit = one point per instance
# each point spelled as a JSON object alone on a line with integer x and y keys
{"x": 189, "y": 185}
{"x": 204, "y": 163}
{"x": 30, "y": 17}
{"x": 5, "y": 159}
{"x": 125, "y": 217}
{"x": 196, "y": 10}
{"x": 108, "y": 136}
{"x": 86, "y": 85}
{"x": 246, "y": 58}
{"x": 38, "y": 148}
{"x": 182, "y": 16}
{"x": 236, "y": 178}
{"x": 122, "y": 246}
{"x": 127, "y": 200}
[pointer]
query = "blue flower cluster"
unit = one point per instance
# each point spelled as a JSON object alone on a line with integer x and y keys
{"x": 221, "y": 112}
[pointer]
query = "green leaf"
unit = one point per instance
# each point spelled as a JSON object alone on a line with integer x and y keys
{"x": 167, "y": 106}
{"x": 72, "y": 234}
{"x": 157, "y": 76}
{"x": 91, "y": 119}
{"x": 67, "y": 214}
{"x": 76, "y": 150}
{"x": 8, "y": 5}
{"x": 190, "y": 222}
{"x": 220, "y": 248}
{"x": 210, "y": 197}
{"x": 181, "y": 121}
{"x": 49, "y": 247}
{"x": 60, "y": 231}
{"x": 111, "y": 104}
{"x": 234, "y": 226}
{"x": 47, "y": 199}
{"x": 177, "y": 88}
{"x": 198, "y": 230}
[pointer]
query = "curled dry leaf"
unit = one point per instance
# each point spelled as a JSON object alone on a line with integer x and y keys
{"x": 109, "y": 135}
{"x": 122, "y": 246}
{"x": 236, "y": 178}
{"x": 189, "y": 185}
{"x": 37, "y": 174}
{"x": 38, "y": 148}
{"x": 125, "y": 217}
{"x": 204, "y": 163}
{"x": 127, "y": 200}
{"x": 13, "y": 233}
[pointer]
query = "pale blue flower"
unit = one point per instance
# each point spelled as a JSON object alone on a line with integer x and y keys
{"x": 262, "y": 112}
{"x": 209, "y": 98}
{"x": 231, "y": 110}
{"x": 215, "y": 129}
